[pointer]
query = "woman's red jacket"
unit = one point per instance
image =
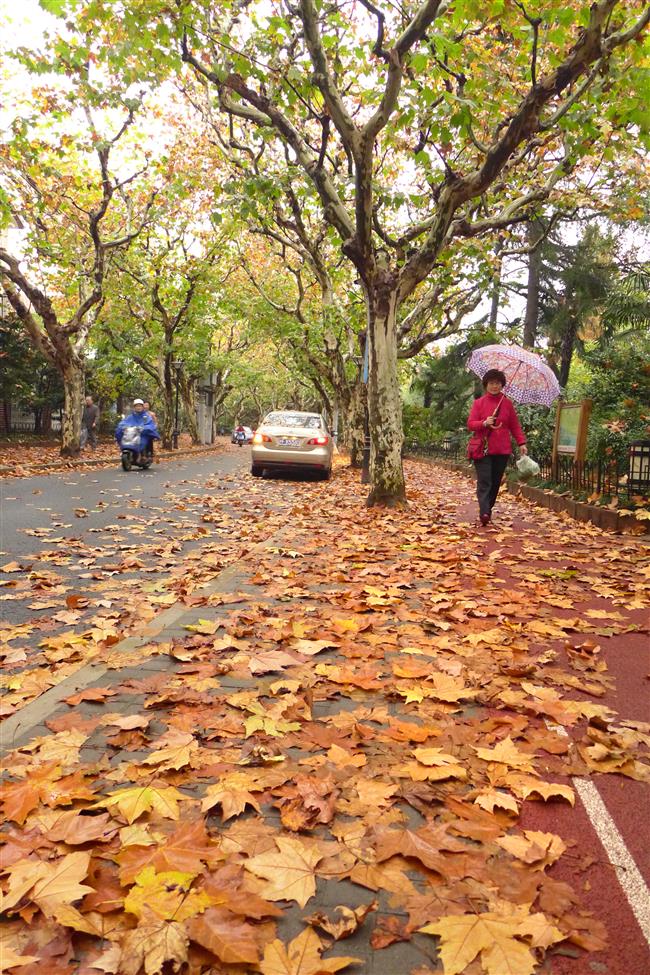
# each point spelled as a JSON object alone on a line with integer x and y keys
{"x": 498, "y": 439}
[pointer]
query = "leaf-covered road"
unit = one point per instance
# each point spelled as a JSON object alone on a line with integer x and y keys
{"x": 362, "y": 745}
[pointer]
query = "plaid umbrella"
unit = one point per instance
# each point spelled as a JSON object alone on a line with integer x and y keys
{"x": 528, "y": 378}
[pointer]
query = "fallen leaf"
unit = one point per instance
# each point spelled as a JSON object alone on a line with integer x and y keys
{"x": 289, "y": 870}
{"x": 302, "y": 956}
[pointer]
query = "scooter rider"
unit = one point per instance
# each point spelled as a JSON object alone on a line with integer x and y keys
{"x": 139, "y": 418}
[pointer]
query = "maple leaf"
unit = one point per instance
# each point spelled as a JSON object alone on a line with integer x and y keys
{"x": 507, "y": 753}
{"x": 302, "y": 956}
{"x": 167, "y": 895}
{"x": 426, "y": 845}
{"x": 226, "y": 936}
{"x": 48, "y": 883}
{"x": 232, "y": 793}
{"x": 341, "y": 757}
{"x": 543, "y": 790}
{"x": 90, "y": 694}
{"x": 74, "y": 828}
{"x": 275, "y": 727}
{"x": 534, "y": 847}
{"x": 312, "y": 647}
{"x": 151, "y": 944}
{"x": 19, "y": 798}
{"x": 289, "y": 870}
{"x": 450, "y": 689}
{"x": 493, "y": 798}
{"x": 186, "y": 849}
{"x": 138, "y": 800}
{"x": 434, "y": 765}
{"x": 495, "y": 936}
{"x": 62, "y": 748}
{"x": 178, "y": 749}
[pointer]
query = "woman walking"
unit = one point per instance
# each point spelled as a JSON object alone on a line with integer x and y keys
{"x": 493, "y": 421}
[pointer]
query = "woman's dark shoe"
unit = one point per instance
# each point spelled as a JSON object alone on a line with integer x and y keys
{"x": 485, "y": 519}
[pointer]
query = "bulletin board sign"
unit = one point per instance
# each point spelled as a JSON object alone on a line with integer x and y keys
{"x": 571, "y": 426}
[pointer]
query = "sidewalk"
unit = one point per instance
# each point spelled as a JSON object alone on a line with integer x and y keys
{"x": 375, "y": 723}
{"x": 16, "y": 461}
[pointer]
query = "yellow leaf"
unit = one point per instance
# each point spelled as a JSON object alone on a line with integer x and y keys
{"x": 179, "y": 748}
{"x": 434, "y": 756}
{"x": 302, "y": 956}
{"x": 507, "y": 753}
{"x": 204, "y": 627}
{"x": 501, "y": 800}
{"x": 138, "y": 800}
{"x": 62, "y": 748}
{"x": 289, "y": 870}
{"x": 547, "y": 790}
{"x": 492, "y": 935}
{"x": 447, "y": 688}
{"x": 341, "y": 757}
{"x": 534, "y": 847}
{"x": 232, "y": 793}
{"x": 311, "y": 647}
{"x": 167, "y": 895}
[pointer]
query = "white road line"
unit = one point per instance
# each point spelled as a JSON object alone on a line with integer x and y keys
{"x": 629, "y": 876}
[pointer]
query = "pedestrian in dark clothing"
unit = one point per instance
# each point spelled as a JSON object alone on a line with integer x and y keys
{"x": 493, "y": 421}
{"x": 90, "y": 422}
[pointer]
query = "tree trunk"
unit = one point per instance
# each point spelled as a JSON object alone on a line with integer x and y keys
{"x": 73, "y": 390}
{"x": 566, "y": 350}
{"x": 188, "y": 396}
{"x": 166, "y": 426}
{"x": 496, "y": 286}
{"x": 354, "y": 424}
{"x": 533, "y": 234}
{"x": 384, "y": 400}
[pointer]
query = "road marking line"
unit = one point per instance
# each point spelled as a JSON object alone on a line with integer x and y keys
{"x": 629, "y": 876}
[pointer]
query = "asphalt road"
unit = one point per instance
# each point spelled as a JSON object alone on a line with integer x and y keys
{"x": 67, "y": 521}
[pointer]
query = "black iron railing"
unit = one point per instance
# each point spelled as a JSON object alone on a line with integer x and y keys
{"x": 604, "y": 476}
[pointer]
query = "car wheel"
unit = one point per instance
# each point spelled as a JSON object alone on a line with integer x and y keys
{"x": 325, "y": 475}
{"x": 256, "y": 470}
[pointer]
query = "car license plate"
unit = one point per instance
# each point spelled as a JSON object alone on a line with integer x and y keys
{"x": 288, "y": 442}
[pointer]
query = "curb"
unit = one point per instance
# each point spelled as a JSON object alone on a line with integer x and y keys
{"x": 72, "y": 465}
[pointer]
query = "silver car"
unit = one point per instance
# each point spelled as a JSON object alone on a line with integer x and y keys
{"x": 291, "y": 440}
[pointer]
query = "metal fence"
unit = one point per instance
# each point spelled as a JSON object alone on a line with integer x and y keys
{"x": 602, "y": 476}
{"x": 605, "y": 475}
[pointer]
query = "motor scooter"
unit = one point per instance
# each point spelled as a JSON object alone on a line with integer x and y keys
{"x": 136, "y": 449}
{"x": 240, "y": 437}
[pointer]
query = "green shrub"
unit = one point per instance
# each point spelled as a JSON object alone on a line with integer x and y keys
{"x": 419, "y": 425}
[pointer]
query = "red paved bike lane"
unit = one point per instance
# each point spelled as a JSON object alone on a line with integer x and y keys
{"x": 626, "y": 802}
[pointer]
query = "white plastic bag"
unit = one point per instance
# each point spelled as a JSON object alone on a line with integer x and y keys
{"x": 527, "y": 467}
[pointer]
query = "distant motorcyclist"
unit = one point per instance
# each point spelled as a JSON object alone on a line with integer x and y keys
{"x": 140, "y": 418}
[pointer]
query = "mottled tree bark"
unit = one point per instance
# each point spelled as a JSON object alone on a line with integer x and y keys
{"x": 384, "y": 400}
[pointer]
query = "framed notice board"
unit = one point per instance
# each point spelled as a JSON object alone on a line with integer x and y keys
{"x": 571, "y": 425}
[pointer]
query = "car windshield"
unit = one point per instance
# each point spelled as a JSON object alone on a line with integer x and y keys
{"x": 293, "y": 420}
